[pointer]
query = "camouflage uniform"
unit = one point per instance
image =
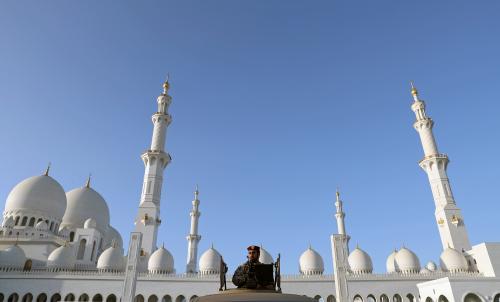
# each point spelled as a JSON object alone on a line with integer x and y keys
{"x": 244, "y": 276}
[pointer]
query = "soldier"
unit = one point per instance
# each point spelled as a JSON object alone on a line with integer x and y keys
{"x": 245, "y": 277}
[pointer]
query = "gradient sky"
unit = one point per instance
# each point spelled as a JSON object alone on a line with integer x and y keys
{"x": 275, "y": 104}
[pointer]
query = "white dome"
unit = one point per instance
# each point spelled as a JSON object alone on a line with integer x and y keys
{"x": 62, "y": 257}
{"x": 265, "y": 257}
{"x": 210, "y": 262}
{"x": 111, "y": 259}
{"x": 424, "y": 271}
{"x": 360, "y": 262}
{"x": 84, "y": 203}
{"x": 112, "y": 235}
{"x": 311, "y": 263}
{"x": 161, "y": 261}
{"x": 90, "y": 224}
{"x": 453, "y": 261}
{"x": 8, "y": 222}
{"x": 391, "y": 264}
{"x": 41, "y": 226}
{"x": 407, "y": 261}
{"x": 431, "y": 266}
{"x": 13, "y": 257}
{"x": 38, "y": 195}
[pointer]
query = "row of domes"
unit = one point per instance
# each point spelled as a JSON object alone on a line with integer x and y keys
{"x": 405, "y": 261}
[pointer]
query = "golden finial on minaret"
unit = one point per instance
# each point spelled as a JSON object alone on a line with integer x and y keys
{"x": 47, "y": 170}
{"x": 337, "y": 193}
{"x": 166, "y": 85}
{"x": 413, "y": 89}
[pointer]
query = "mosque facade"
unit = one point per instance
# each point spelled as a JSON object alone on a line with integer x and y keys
{"x": 60, "y": 246}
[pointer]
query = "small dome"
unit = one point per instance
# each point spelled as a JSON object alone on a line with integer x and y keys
{"x": 453, "y": 261}
{"x": 62, "y": 257}
{"x": 84, "y": 203}
{"x": 431, "y": 266}
{"x": 41, "y": 226}
{"x": 161, "y": 261}
{"x": 407, "y": 261}
{"x": 425, "y": 271}
{"x": 390, "y": 264}
{"x": 112, "y": 235}
{"x": 210, "y": 262}
{"x": 8, "y": 222}
{"x": 360, "y": 262}
{"x": 311, "y": 263}
{"x": 39, "y": 195}
{"x": 265, "y": 257}
{"x": 90, "y": 224}
{"x": 111, "y": 259}
{"x": 12, "y": 257}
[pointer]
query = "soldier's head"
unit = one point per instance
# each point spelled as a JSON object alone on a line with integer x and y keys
{"x": 253, "y": 253}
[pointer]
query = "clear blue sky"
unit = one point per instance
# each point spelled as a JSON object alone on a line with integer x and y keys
{"x": 276, "y": 103}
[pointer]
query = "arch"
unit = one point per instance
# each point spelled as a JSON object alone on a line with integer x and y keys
{"x": 32, "y": 222}
{"x": 16, "y": 223}
{"x": 330, "y": 298}
{"x": 81, "y": 250}
{"x": 24, "y": 221}
{"x": 55, "y": 297}
{"x": 41, "y": 297}
{"x": 97, "y": 298}
{"x": 13, "y": 298}
{"x": 93, "y": 251}
{"x": 397, "y": 298}
{"x": 51, "y": 226}
{"x": 410, "y": 298}
{"x": 69, "y": 297}
{"x": 471, "y": 297}
{"x": 180, "y": 298}
{"x": 428, "y": 299}
{"x": 139, "y": 298}
{"x": 111, "y": 298}
{"x": 442, "y": 298}
{"x": 317, "y": 298}
{"x": 166, "y": 298}
{"x": 71, "y": 236}
{"x": 496, "y": 298}
{"x": 39, "y": 219}
{"x": 193, "y": 298}
{"x": 83, "y": 298}
{"x": 371, "y": 298}
{"x": 357, "y": 298}
{"x": 27, "y": 297}
{"x": 384, "y": 298}
{"x": 1, "y": 297}
{"x": 153, "y": 298}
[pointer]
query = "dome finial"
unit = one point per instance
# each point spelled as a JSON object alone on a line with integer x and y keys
{"x": 47, "y": 170}
{"x": 166, "y": 84}
{"x": 212, "y": 245}
{"x": 87, "y": 184}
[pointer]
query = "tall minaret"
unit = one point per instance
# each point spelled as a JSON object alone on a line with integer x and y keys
{"x": 449, "y": 219}
{"x": 155, "y": 160}
{"x": 340, "y": 215}
{"x": 193, "y": 238}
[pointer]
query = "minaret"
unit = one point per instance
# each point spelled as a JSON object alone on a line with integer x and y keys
{"x": 193, "y": 238}
{"x": 155, "y": 160}
{"x": 339, "y": 215}
{"x": 449, "y": 219}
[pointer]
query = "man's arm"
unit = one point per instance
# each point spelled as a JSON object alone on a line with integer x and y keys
{"x": 239, "y": 277}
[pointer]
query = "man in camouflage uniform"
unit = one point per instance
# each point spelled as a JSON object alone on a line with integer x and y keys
{"x": 244, "y": 276}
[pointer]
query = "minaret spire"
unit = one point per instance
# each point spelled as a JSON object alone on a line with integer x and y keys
{"x": 193, "y": 238}
{"x": 449, "y": 219}
{"x": 340, "y": 215}
{"x": 155, "y": 161}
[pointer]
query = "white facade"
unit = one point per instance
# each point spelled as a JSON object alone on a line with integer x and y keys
{"x": 60, "y": 246}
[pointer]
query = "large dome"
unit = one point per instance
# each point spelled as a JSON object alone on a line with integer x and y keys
{"x": 360, "y": 262}
{"x": 161, "y": 261}
{"x": 85, "y": 203}
{"x": 62, "y": 257}
{"x": 40, "y": 196}
{"x": 13, "y": 257}
{"x": 210, "y": 262}
{"x": 311, "y": 263}
{"x": 111, "y": 259}
{"x": 407, "y": 261}
{"x": 453, "y": 261}
{"x": 265, "y": 257}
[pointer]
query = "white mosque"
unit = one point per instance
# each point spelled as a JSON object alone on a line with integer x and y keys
{"x": 60, "y": 246}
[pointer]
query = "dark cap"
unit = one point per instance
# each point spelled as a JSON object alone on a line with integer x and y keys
{"x": 253, "y": 248}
